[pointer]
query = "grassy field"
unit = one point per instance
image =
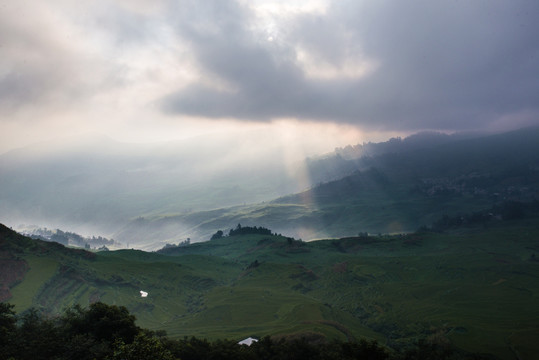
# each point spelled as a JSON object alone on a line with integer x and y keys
{"x": 475, "y": 288}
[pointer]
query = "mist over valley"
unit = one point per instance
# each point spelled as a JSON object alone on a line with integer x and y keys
{"x": 147, "y": 195}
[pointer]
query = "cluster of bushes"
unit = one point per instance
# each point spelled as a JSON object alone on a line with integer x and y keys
{"x": 243, "y": 230}
{"x": 109, "y": 332}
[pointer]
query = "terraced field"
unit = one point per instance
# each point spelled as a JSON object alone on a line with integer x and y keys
{"x": 475, "y": 288}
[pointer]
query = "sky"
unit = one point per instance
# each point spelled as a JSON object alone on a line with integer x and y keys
{"x": 325, "y": 72}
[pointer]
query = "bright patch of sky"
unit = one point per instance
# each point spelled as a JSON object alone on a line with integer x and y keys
{"x": 148, "y": 71}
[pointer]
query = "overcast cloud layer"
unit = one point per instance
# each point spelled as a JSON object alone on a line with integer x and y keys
{"x": 157, "y": 68}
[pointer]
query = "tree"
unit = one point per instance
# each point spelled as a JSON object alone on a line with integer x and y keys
{"x": 8, "y": 329}
{"x": 217, "y": 235}
{"x": 145, "y": 346}
{"x": 38, "y": 337}
{"x": 102, "y": 322}
{"x": 189, "y": 348}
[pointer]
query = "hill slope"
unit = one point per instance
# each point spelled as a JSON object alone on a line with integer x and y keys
{"x": 476, "y": 288}
{"x": 392, "y": 192}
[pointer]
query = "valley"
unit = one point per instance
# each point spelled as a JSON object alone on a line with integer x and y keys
{"x": 396, "y": 190}
{"x": 269, "y": 180}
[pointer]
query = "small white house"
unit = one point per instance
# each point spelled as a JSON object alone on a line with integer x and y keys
{"x": 248, "y": 341}
{"x": 143, "y": 293}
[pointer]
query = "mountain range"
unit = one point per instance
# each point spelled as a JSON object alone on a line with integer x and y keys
{"x": 147, "y": 195}
{"x": 390, "y": 192}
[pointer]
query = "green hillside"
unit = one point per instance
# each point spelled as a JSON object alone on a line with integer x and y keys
{"x": 475, "y": 288}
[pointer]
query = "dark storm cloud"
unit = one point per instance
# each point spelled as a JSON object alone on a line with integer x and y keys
{"x": 447, "y": 65}
{"x": 463, "y": 62}
{"x": 264, "y": 81}
{"x": 228, "y": 51}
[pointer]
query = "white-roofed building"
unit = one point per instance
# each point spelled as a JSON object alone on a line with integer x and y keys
{"x": 248, "y": 341}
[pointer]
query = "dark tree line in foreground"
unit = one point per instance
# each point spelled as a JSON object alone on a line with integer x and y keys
{"x": 109, "y": 332}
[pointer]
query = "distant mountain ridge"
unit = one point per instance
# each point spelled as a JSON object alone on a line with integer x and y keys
{"x": 386, "y": 193}
{"x": 418, "y": 141}
{"x": 345, "y": 160}
{"x": 159, "y": 195}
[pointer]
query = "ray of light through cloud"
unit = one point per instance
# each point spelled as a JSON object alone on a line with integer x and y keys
{"x": 163, "y": 70}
